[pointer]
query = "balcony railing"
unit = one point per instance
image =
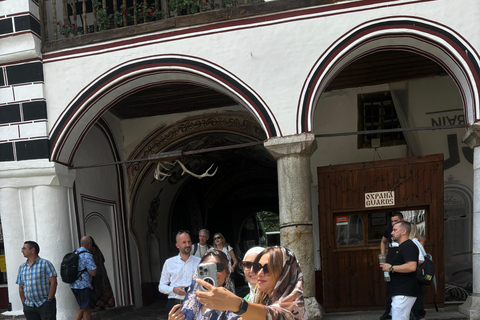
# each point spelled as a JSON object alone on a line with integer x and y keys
{"x": 69, "y": 18}
{"x": 67, "y": 23}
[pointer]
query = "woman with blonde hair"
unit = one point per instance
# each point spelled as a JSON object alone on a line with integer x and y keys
{"x": 219, "y": 243}
{"x": 418, "y": 308}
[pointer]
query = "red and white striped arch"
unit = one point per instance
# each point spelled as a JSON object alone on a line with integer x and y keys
{"x": 139, "y": 74}
{"x": 424, "y": 37}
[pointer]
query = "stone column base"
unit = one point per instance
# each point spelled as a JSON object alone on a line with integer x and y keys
{"x": 471, "y": 308}
{"x": 313, "y": 309}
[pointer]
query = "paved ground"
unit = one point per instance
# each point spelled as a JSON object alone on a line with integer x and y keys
{"x": 156, "y": 311}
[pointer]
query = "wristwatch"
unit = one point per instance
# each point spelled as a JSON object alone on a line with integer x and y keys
{"x": 49, "y": 299}
{"x": 391, "y": 269}
{"x": 243, "y": 307}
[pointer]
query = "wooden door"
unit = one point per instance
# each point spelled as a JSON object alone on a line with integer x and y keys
{"x": 351, "y": 231}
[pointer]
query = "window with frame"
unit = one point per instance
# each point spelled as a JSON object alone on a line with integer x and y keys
{"x": 376, "y": 112}
{"x": 367, "y": 228}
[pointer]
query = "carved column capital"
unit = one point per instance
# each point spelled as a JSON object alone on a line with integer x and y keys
{"x": 300, "y": 144}
{"x": 472, "y": 136}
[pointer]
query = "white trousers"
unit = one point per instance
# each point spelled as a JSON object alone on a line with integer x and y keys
{"x": 401, "y": 307}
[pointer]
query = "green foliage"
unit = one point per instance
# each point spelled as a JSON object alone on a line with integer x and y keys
{"x": 148, "y": 13}
{"x": 103, "y": 19}
{"x": 270, "y": 220}
{"x": 190, "y": 6}
{"x": 66, "y": 29}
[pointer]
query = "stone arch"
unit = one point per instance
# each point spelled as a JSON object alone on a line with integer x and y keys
{"x": 136, "y": 75}
{"x": 424, "y": 37}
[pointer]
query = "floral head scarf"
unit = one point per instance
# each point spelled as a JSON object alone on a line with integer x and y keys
{"x": 286, "y": 301}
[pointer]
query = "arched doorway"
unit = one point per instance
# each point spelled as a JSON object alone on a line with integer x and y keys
{"x": 376, "y": 61}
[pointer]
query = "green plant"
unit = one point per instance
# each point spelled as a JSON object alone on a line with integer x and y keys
{"x": 190, "y": 6}
{"x": 103, "y": 19}
{"x": 148, "y": 13}
{"x": 119, "y": 14}
{"x": 66, "y": 29}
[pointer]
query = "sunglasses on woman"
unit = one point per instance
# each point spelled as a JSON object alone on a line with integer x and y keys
{"x": 256, "y": 267}
{"x": 220, "y": 267}
{"x": 216, "y": 238}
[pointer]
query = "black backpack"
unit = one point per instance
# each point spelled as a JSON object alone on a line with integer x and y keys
{"x": 426, "y": 271}
{"x": 69, "y": 267}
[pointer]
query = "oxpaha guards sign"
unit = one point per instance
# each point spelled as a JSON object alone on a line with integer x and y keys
{"x": 378, "y": 199}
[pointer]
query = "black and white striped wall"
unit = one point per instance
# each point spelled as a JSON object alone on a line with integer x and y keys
{"x": 23, "y": 108}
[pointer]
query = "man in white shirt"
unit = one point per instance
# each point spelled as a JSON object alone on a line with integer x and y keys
{"x": 177, "y": 272}
{"x": 201, "y": 247}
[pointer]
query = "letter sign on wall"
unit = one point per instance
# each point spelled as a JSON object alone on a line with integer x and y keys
{"x": 379, "y": 199}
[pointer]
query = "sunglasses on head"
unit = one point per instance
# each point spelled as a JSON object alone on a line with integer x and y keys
{"x": 183, "y": 231}
{"x": 256, "y": 267}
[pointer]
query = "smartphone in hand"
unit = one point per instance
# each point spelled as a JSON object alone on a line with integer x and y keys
{"x": 208, "y": 273}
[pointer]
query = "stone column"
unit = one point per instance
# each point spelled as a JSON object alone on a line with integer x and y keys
{"x": 294, "y": 190}
{"x": 36, "y": 204}
{"x": 471, "y": 307}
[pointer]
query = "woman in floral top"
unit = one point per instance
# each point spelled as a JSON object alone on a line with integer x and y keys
{"x": 191, "y": 308}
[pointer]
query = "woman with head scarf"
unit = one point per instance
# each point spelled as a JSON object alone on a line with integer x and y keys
{"x": 191, "y": 308}
{"x": 279, "y": 290}
{"x": 250, "y": 276}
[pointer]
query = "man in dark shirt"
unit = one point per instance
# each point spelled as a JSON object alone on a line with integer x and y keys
{"x": 391, "y": 245}
{"x": 402, "y": 266}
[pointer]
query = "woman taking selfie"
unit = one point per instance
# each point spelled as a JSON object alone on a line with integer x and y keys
{"x": 191, "y": 308}
{"x": 279, "y": 290}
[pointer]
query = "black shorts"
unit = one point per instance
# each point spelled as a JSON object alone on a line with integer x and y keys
{"x": 84, "y": 298}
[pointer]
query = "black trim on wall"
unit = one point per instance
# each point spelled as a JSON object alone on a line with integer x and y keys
{"x": 6, "y": 152}
{"x": 6, "y": 26}
{"x": 10, "y": 113}
{"x": 32, "y": 149}
{"x": 34, "y": 110}
{"x": 27, "y": 22}
{"x": 2, "y": 78}
{"x": 24, "y": 73}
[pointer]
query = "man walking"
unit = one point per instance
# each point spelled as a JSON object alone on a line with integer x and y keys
{"x": 37, "y": 281}
{"x": 82, "y": 288}
{"x": 201, "y": 247}
{"x": 177, "y": 272}
{"x": 402, "y": 266}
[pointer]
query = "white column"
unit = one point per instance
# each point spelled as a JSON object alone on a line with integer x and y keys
{"x": 294, "y": 190}
{"x": 471, "y": 307}
{"x": 35, "y": 204}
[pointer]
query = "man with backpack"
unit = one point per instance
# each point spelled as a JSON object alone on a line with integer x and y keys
{"x": 37, "y": 280}
{"x": 82, "y": 287}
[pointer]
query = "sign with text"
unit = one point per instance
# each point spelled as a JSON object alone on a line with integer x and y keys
{"x": 342, "y": 220}
{"x": 379, "y": 199}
